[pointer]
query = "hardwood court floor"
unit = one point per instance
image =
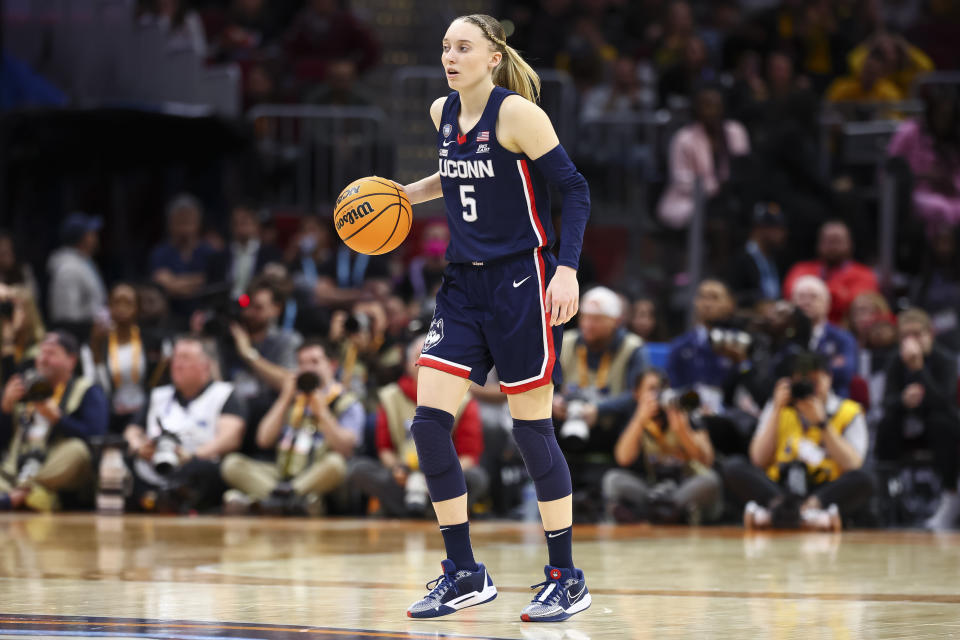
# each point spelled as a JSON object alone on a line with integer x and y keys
{"x": 194, "y": 578}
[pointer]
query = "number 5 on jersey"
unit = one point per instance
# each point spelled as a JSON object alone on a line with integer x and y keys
{"x": 468, "y": 202}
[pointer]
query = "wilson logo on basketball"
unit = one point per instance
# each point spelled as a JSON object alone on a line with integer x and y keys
{"x": 363, "y": 209}
{"x": 352, "y": 191}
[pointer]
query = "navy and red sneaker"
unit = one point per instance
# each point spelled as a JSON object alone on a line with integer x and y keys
{"x": 561, "y": 595}
{"x": 455, "y": 589}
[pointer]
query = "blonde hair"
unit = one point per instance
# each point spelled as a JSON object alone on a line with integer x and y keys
{"x": 513, "y": 72}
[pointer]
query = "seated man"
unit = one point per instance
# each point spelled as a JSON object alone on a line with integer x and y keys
{"x": 837, "y": 345}
{"x": 47, "y": 421}
{"x": 664, "y": 458}
{"x": 314, "y": 425}
{"x": 919, "y": 409}
{"x": 182, "y": 433}
{"x": 396, "y": 480}
{"x": 805, "y": 456}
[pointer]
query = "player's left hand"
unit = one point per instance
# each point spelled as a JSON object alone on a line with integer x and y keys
{"x": 563, "y": 296}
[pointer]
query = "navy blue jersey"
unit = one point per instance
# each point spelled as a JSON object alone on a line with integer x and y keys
{"x": 497, "y": 201}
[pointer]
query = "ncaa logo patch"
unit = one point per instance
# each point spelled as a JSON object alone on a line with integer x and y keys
{"x": 434, "y": 336}
{"x": 447, "y": 128}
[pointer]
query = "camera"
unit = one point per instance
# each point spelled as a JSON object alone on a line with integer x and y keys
{"x": 687, "y": 400}
{"x": 6, "y": 309}
{"x": 800, "y": 390}
{"x": 29, "y": 465}
{"x": 308, "y": 382}
{"x": 730, "y": 340}
{"x": 165, "y": 458}
{"x": 356, "y": 323}
{"x": 574, "y": 432}
{"x": 38, "y": 388}
{"x": 415, "y": 493}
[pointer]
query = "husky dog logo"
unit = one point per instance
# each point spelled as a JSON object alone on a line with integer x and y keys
{"x": 447, "y": 128}
{"x": 435, "y": 334}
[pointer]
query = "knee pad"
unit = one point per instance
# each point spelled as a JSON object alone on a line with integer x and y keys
{"x": 438, "y": 459}
{"x": 541, "y": 454}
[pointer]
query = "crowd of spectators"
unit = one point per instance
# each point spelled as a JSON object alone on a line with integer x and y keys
{"x": 248, "y": 375}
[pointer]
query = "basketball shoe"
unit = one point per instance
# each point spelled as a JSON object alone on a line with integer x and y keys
{"x": 561, "y": 595}
{"x": 455, "y": 589}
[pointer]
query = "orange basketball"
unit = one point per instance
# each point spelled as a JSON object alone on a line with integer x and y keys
{"x": 373, "y": 215}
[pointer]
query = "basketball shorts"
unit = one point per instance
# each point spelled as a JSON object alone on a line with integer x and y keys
{"x": 493, "y": 314}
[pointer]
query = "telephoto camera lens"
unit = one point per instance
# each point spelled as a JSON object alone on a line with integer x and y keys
{"x": 308, "y": 382}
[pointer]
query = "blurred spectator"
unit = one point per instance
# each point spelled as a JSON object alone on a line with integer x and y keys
{"x": 701, "y": 151}
{"x": 664, "y": 457}
{"x": 837, "y": 345}
{"x": 119, "y": 359}
{"x": 644, "y": 320}
{"x": 339, "y": 86}
{"x": 77, "y": 295}
{"x": 263, "y": 353}
{"x": 181, "y": 264}
{"x": 845, "y": 278}
{"x": 21, "y": 330}
{"x": 931, "y": 147}
{"x": 156, "y": 329}
{"x": 315, "y": 426}
{"x": 13, "y": 271}
{"x": 311, "y": 246}
{"x": 866, "y": 311}
{"x": 868, "y": 84}
{"x": 601, "y": 362}
{"x": 678, "y": 30}
{"x": 693, "y": 360}
{"x": 806, "y": 455}
{"x": 323, "y": 31}
{"x": 249, "y": 26}
{"x": 181, "y": 434}
{"x": 754, "y": 275}
{"x": 183, "y": 26}
{"x": 348, "y": 276}
{"x": 902, "y": 61}
{"x": 47, "y": 419}
{"x": 622, "y": 95}
{"x": 920, "y": 410}
{"x": 426, "y": 268}
{"x": 395, "y": 480}
{"x": 679, "y": 82}
{"x": 246, "y": 255}
{"x": 936, "y": 289}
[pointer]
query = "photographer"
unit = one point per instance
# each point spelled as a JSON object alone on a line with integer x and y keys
{"x": 919, "y": 409}
{"x": 837, "y": 345}
{"x": 315, "y": 427}
{"x": 46, "y": 418}
{"x": 182, "y": 432}
{"x": 395, "y": 480}
{"x": 601, "y": 362}
{"x": 21, "y": 329}
{"x": 673, "y": 479}
{"x": 805, "y": 456}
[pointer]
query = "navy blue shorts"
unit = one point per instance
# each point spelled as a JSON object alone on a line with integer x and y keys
{"x": 494, "y": 315}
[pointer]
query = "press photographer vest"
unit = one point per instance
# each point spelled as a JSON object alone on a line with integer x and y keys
{"x": 790, "y": 432}
{"x": 400, "y": 410}
{"x": 301, "y": 442}
{"x": 34, "y": 435}
{"x": 609, "y": 376}
{"x": 196, "y": 423}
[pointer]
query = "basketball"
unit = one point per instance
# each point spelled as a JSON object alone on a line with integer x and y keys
{"x": 373, "y": 215}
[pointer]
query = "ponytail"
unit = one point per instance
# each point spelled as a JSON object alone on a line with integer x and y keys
{"x": 513, "y": 72}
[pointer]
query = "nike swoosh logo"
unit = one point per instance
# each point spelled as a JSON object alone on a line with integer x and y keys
{"x": 515, "y": 285}
{"x": 572, "y": 599}
{"x": 551, "y": 535}
{"x": 448, "y": 143}
{"x": 444, "y": 528}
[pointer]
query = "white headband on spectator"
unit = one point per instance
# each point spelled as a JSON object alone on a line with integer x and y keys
{"x": 602, "y": 301}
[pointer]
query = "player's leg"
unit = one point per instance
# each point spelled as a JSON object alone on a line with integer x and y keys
{"x": 454, "y": 352}
{"x": 564, "y": 591}
{"x": 525, "y": 351}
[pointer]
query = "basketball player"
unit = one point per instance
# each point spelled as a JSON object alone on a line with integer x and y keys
{"x": 503, "y": 302}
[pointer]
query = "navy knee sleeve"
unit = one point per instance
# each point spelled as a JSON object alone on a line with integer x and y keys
{"x": 438, "y": 459}
{"x": 544, "y": 460}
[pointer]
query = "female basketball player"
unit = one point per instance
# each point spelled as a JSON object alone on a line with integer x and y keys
{"x": 503, "y": 302}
